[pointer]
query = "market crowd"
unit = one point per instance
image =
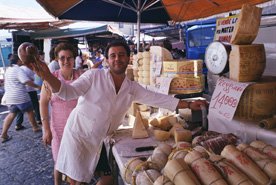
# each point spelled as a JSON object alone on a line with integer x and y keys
{"x": 83, "y": 86}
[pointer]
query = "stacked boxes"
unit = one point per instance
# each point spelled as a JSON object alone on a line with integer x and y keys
{"x": 187, "y": 76}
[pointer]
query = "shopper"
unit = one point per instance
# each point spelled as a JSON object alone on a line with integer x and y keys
{"x": 34, "y": 98}
{"x": 53, "y": 65}
{"x": 99, "y": 58}
{"x": 104, "y": 98}
{"x": 54, "y": 122}
{"x": 16, "y": 97}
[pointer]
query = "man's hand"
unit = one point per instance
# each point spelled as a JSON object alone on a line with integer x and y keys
{"x": 196, "y": 105}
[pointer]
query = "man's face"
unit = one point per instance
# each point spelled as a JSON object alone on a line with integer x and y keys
{"x": 118, "y": 59}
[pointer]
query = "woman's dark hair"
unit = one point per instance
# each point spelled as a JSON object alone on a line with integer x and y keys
{"x": 14, "y": 59}
{"x": 52, "y": 54}
{"x": 115, "y": 44}
{"x": 66, "y": 46}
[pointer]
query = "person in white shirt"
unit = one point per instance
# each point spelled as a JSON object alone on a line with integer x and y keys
{"x": 16, "y": 97}
{"x": 104, "y": 98}
{"x": 53, "y": 65}
{"x": 34, "y": 98}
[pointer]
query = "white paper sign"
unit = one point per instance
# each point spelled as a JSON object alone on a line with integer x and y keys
{"x": 226, "y": 97}
{"x": 163, "y": 84}
{"x": 225, "y": 27}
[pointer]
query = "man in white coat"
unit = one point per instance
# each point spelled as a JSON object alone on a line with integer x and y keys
{"x": 104, "y": 98}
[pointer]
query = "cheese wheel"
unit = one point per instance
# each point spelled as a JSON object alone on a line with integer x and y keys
{"x": 247, "y": 62}
{"x": 247, "y": 25}
{"x": 258, "y": 100}
{"x": 180, "y": 85}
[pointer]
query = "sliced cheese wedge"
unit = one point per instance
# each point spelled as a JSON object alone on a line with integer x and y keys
{"x": 139, "y": 130}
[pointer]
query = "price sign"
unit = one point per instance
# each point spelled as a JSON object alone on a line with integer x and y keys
{"x": 224, "y": 28}
{"x": 226, "y": 96}
{"x": 163, "y": 84}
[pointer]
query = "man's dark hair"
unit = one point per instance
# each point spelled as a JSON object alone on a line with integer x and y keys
{"x": 115, "y": 44}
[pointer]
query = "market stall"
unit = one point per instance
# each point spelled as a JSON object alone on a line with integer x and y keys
{"x": 175, "y": 150}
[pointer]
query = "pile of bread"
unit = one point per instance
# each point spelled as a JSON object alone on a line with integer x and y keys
{"x": 186, "y": 163}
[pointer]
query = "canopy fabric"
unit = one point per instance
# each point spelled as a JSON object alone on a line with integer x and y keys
{"x": 152, "y": 11}
{"x": 106, "y": 30}
{"x": 31, "y": 24}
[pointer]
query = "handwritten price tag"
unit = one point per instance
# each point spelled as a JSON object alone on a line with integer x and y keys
{"x": 163, "y": 84}
{"x": 226, "y": 96}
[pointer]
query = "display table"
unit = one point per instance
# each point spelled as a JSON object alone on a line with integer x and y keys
{"x": 124, "y": 146}
{"x": 245, "y": 130}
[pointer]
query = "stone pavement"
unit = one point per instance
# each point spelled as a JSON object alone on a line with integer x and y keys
{"x": 24, "y": 160}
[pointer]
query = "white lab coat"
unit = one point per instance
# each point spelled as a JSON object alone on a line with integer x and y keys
{"x": 98, "y": 113}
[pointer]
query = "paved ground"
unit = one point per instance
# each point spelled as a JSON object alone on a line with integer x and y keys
{"x": 24, "y": 160}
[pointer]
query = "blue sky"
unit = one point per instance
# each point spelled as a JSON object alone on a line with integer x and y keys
{"x": 22, "y": 9}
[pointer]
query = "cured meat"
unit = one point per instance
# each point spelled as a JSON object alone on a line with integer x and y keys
{"x": 231, "y": 173}
{"x": 204, "y": 169}
{"x": 244, "y": 163}
{"x": 266, "y": 148}
{"x": 215, "y": 144}
{"x": 267, "y": 164}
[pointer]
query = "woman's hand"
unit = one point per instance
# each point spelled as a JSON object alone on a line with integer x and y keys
{"x": 47, "y": 137}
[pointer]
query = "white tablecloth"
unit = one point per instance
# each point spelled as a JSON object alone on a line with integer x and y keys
{"x": 245, "y": 130}
{"x": 124, "y": 147}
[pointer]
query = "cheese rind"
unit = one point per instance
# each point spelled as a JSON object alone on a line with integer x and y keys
{"x": 247, "y": 62}
{"x": 247, "y": 25}
{"x": 258, "y": 100}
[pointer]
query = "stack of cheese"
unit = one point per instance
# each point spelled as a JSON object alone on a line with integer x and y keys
{"x": 135, "y": 67}
{"x": 140, "y": 63}
{"x": 247, "y": 60}
{"x": 157, "y": 56}
{"x": 187, "y": 76}
{"x": 247, "y": 63}
{"x": 145, "y": 68}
